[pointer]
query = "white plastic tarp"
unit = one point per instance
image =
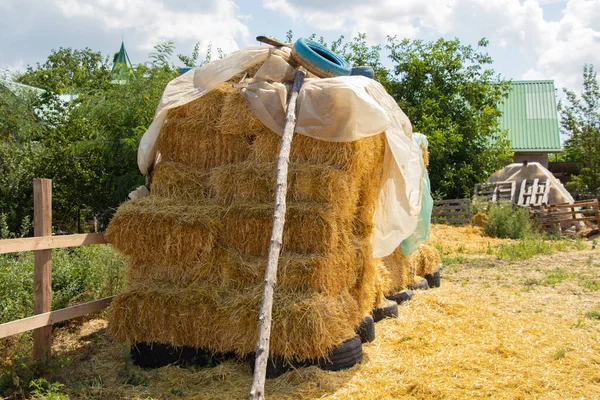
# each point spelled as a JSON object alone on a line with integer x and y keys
{"x": 338, "y": 109}
{"x": 519, "y": 172}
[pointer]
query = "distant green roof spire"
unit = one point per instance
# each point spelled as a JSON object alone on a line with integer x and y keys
{"x": 121, "y": 66}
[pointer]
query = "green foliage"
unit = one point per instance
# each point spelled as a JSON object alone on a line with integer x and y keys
{"x": 44, "y": 390}
{"x": 68, "y": 71}
{"x": 78, "y": 275}
{"x": 23, "y": 378}
{"x": 87, "y": 146}
{"x": 593, "y": 314}
{"x": 451, "y": 95}
{"x": 580, "y": 119}
{"x": 532, "y": 245}
{"x": 507, "y": 221}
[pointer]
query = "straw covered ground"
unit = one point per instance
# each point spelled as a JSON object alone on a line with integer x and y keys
{"x": 495, "y": 329}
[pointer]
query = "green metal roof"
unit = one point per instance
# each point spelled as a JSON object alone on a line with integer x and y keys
{"x": 529, "y": 114}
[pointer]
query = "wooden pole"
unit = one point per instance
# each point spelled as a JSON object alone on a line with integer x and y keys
{"x": 266, "y": 306}
{"x": 42, "y": 278}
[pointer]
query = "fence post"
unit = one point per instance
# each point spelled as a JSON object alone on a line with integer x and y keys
{"x": 42, "y": 279}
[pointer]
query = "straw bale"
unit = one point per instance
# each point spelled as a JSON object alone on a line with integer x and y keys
{"x": 179, "y": 181}
{"x": 237, "y": 119}
{"x": 309, "y": 227}
{"x": 398, "y": 268}
{"x": 173, "y": 231}
{"x": 305, "y": 324}
{"x": 201, "y": 148}
{"x": 425, "y": 259}
{"x": 306, "y": 182}
{"x": 190, "y": 135}
{"x": 425, "y": 152}
{"x": 229, "y": 268}
{"x": 354, "y": 157}
{"x": 369, "y": 191}
{"x": 164, "y": 229}
{"x": 480, "y": 219}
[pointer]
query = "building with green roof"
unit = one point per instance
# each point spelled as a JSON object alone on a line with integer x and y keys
{"x": 121, "y": 66}
{"x": 529, "y": 114}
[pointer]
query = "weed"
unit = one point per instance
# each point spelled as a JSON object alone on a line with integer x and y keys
{"x": 78, "y": 275}
{"x": 507, "y": 221}
{"x": 556, "y": 276}
{"x": 590, "y": 283}
{"x": 523, "y": 249}
{"x": 561, "y": 353}
{"x": 593, "y": 314}
{"x": 42, "y": 389}
{"x": 533, "y": 244}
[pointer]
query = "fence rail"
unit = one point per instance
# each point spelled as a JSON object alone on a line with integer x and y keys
{"x": 557, "y": 216}
{"x": 454, "y": 212}
{"x": 42, "y": 244}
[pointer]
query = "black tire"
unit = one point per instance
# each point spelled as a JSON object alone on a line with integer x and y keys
{"x": 401, "y": 297}
{"x": 344, "y": 356}
{"x": 389, "y": 310}
{"x": 156, "y": 355}
{"x": 421, "y": 285}
{"x": 366, "y": 330}
{"x": 434, "y": 279}
{"x": 277, "y": 366}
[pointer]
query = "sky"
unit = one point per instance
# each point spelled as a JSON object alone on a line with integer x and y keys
{"x": 531, "y": 39}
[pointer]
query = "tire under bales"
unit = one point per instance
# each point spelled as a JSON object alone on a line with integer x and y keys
{"x": 387, "y": 310}
{"x": 156, "y": 355}
{"x": 401, "y": 297}
{"x": 420, "y": 284}
{"x": 366, "y": 330}
{"x": 345, "y": 356}
{"x": 277, "y": 366}
{"x": 434, "y": 279}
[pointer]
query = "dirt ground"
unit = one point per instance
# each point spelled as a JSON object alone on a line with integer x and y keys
{"x": 494, "y": 329}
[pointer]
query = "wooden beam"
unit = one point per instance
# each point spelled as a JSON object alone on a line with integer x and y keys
{"x": 49, "y": 318}
{"x": 257, "y": 392}
{"x": 42, "y": 275}
{"x": 50, "y": 242}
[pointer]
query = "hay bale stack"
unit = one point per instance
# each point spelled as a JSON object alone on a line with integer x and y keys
{"x": 198, "y": 243}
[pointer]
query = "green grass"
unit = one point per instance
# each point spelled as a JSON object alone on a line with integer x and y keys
{"x": 535, "y": 244}
{"x": 593, "y": 314}
{"x": 78, "y": 275}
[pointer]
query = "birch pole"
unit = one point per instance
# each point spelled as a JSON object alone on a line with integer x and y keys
{"x": 266, "y": 306}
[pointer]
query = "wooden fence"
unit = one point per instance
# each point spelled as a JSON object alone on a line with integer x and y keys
{"x": 555, "y": 216}
{"x": 42, "y": 245}
{"x": 456, "y": 211}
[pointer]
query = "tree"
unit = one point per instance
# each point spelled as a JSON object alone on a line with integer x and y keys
{"x": 69, "y": 71}
{"x": 580, "y": 119}
{"x": 87, "y": 145}
{"x": 450, "y": 95}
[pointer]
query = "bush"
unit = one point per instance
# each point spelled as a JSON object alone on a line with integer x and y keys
{"x": 78, "y": 275}
{"x": 507, "y": 221}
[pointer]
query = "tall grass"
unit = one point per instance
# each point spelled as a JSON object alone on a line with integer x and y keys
{"x": 533, "y": 244}
{"x": 78, "y": 275}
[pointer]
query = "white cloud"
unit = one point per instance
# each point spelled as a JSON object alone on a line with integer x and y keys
{"x": 158, "y": 20}
{"x": 530, "y": 44}
{"x": 31, "y": 28}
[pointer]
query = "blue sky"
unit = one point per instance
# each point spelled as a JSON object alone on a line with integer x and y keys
{"x": 531, "y": 39}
